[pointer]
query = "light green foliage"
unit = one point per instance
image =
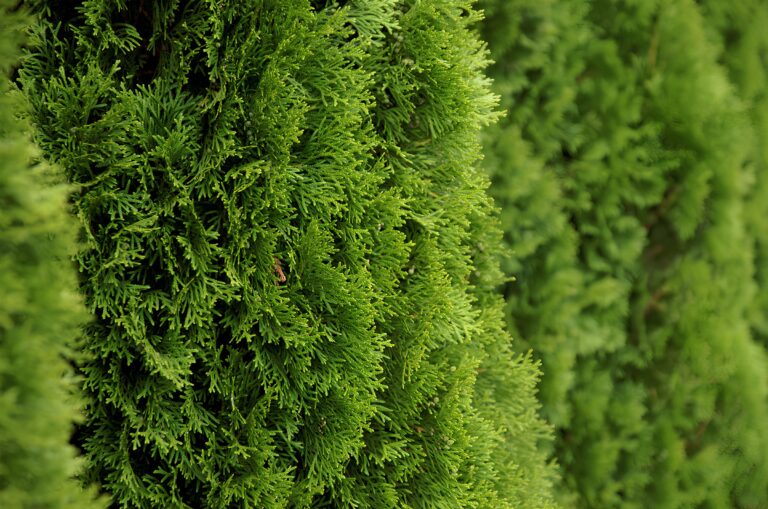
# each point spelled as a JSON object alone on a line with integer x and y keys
{"x": 289, "y": 254}
{"x": 743, "y": 41}
{"x": 39, "y": 311}
{"x": 739, "y": 30}
{"x": 622, "y": 168}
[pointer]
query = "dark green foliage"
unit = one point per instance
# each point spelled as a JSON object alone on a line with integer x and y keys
{"x": 624, "y": 168}
{"x": 289, "y": 254}
{"x": 39, "y": 311}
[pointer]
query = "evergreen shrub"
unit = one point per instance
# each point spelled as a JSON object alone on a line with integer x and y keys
{"x": 288, "y": 252}
{"x": 738, "y": 29}
{"x": 631, "y": 176}
{"x": 40, "y": 311}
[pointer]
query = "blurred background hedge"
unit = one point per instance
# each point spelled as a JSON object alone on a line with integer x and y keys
{"x": 630, "y": 170}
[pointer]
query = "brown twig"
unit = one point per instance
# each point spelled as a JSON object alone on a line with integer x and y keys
{"x": 279, "y": 273}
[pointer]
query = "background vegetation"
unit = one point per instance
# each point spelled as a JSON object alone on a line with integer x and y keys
{"x": 630, "y": 173}
{"x": 40, "y": 311}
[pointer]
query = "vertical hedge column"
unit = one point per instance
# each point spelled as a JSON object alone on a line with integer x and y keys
{"x": 743, "y": 43}
{"x": 39, "y": 310}
{"x": 623, "y": 168}
{"x": 289, "y": 254}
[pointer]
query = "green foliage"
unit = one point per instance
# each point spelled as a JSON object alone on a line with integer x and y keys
{"x": 626, "y": 169}
{"x": 739, "y": 31}
{"x": 289, "y": 253}
{"x": 39, "y": 311}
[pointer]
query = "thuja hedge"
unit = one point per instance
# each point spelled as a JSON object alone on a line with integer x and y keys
{"x": 288, "y": 254}
{"x": 39, "y": 310}
{"x": 739, "y": 31}
{"x": 632, "y": 179}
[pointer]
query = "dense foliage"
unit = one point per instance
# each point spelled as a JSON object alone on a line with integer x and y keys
{"x": 291, "y": 263}
{"x": 739, "y": 31}
{"x": 632, "y": 179}
{"x": 288, "y": 252}
{"x": 39, "y": 311}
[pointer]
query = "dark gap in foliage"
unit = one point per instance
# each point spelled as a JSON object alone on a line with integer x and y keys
{"x": 146, "y": 61}
{"x": 65, "y": 12}
{"x": 731, "y": 35}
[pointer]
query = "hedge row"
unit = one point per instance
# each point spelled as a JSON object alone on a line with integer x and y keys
{"x": 291, "y": 263}
{"x": 288, "y": 252}
{"x": 631, "y": 175}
